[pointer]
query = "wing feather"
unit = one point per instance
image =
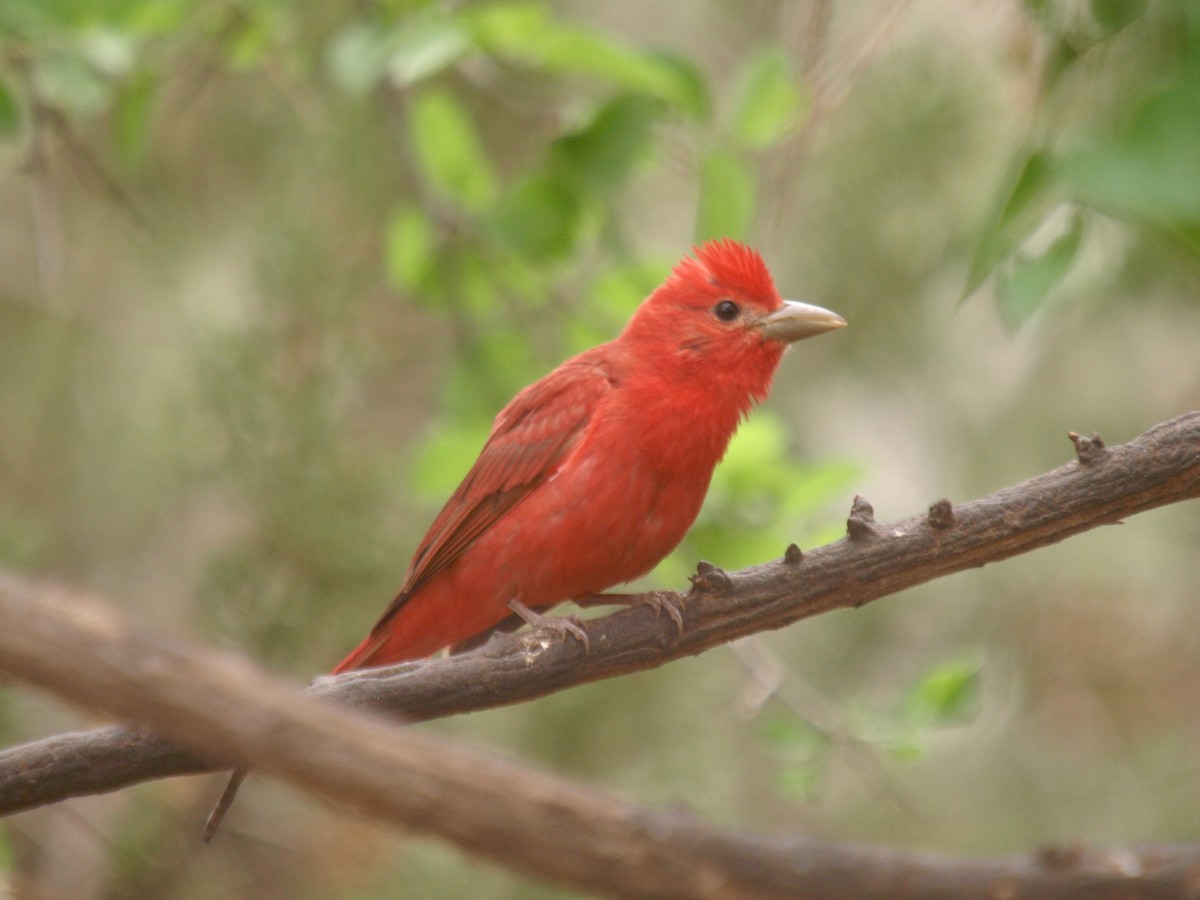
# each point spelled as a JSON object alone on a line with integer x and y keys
{"x": 530, "y": 439}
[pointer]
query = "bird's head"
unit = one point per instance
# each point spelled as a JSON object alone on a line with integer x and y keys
{"x": 719, "y": 311}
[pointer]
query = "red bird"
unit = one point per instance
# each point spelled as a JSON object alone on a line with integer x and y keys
{"x": 594, "y": 473}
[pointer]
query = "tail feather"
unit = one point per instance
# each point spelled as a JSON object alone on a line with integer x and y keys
{"x": 361, "y": 655}
{"x": 222, "y": 807}
{"x": 405, "y": 632}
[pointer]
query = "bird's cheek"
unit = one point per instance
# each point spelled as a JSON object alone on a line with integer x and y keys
{"x": 692, "y": 346}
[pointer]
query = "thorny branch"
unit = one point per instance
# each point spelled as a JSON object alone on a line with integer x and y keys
{"x": 227, "y": 711}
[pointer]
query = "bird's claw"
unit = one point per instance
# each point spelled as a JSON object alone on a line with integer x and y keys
{"x": 562, "y": 625}
{"x": 572, "y": 625}
{"x": 660, "y": 600}
{"x": 656, "y": 600}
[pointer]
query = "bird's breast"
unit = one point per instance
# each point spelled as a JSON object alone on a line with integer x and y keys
{"x": 621, "y": 500}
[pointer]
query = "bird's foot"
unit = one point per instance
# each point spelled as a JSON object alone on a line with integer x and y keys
{"x": 656, "y": 600}
{"x": 562, "y": 625}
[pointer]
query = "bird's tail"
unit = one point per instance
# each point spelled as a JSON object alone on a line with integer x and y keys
{"x": 361, "y": 655}
{"x": 414, "y": 630}
{"x": 358, "y": 657}
{"x": 218, "y": 812}
{"x": 395, "y": 638}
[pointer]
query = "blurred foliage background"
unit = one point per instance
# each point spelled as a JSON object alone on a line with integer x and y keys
{"x": 267, "y": 270}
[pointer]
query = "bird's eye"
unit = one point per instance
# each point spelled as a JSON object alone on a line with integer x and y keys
{"x": 726, "y": 310}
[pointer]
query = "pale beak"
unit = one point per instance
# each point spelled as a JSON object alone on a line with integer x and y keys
{"x": 797, "y": 321}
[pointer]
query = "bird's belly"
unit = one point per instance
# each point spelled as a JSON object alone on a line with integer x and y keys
{"x": 561, "y": 546}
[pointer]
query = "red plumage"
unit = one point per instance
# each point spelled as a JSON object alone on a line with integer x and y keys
{"x": 594, "y": 473}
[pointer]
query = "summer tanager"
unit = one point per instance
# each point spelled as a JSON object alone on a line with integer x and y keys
{"x": 594, "y": 473}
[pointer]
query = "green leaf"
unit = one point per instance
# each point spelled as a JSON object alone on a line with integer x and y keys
{"x": 1151, "y": 172}
{"x": 156, "y": 18}
{"x": 425, "y": 49}
{"x": 10, "y": 113}
{"x": 1042, "y": 13}
{"x": 759, "y": 499}
{"x": 1033, "y": 193}
{"x": 1023, "y": 289}
{"x": 540, "y": 218}
{"x": 609, "y": 303}
{"x": 512, "y": 28}
{"x": 727, "y": 196}
{"x": 1114, "y": 15}
{"x": 356, "y": 57}
{"x": 1064, "y": 53}
{"x": 446, "y": 455}
{"x": 65, "y": 79}
{"x": 815, "y": 484}
{"x": 250, "y": 38}
{"x": 947, "y": 694}
{"x": 525, "y": 33}
{"x": 360, "y": 54}
{"x": 501, "y": 361}
{"x": 760, "y": 442}
{"x": 449, "y": 151}
{"x": 131, "y": 115}
{"x": 603, "y": 152}
{"x": 908, "y": 748}
{"x": 801, "y": 782}
{"x": 478, "y": 284}
{"x": 108, "y": 51}
{"x": 769, "y": 103}
{"x": 408, "y": 248}
{"x": 620, "y": 288}
{"x": 792, "y": 736}
{"x": 803, "y": 751}
{"x": 688, "y": 87}
{"x": 1187, "y": 234}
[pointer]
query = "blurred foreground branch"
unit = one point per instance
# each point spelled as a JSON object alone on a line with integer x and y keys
{"x": 70, "y": 643}
{"x": 227, "y": 712}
